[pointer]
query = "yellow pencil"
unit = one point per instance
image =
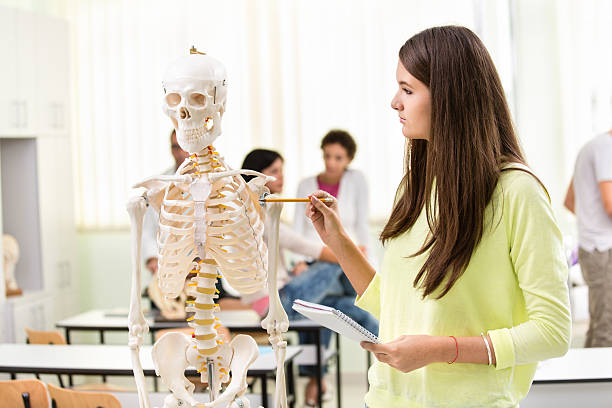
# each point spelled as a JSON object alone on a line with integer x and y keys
{"x": 294, "y": 200}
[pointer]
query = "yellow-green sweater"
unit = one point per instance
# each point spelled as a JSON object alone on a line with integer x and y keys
{"x": 514, "y": 289}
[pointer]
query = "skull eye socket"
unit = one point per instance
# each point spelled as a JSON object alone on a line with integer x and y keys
{"x": 197, "y": 99}
{"x": 173, "y": 99}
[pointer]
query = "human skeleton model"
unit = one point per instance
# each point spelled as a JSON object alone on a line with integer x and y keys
{"x": 211, "y": 222}
{"x": 10, "y": 252}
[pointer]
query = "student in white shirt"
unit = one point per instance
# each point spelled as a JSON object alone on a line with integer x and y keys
{"x": 320, "y": 282}
{"x": 349, "y": 186}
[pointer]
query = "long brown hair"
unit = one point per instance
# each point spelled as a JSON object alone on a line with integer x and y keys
{"x": 454, "y": 173}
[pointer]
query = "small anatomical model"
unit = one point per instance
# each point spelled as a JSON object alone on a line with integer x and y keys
{"x": 10, "y": 252}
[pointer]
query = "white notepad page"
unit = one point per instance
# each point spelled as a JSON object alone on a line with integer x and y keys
{"x": 334, "y": 320}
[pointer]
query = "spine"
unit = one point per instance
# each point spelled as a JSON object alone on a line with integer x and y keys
{"x": 204, "y": 321}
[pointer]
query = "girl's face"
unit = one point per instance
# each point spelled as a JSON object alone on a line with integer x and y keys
{"x": 275, "y": 170}
{"x": 412, "y": 102}
{"x": 336, "y": 159}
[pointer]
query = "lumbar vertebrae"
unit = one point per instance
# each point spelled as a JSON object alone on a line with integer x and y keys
{"x": 211, "y": 222}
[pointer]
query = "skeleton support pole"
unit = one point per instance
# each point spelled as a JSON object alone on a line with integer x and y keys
{"x": 136, "y": 207}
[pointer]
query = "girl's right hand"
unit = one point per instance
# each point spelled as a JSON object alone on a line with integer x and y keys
{"x": 324, "y": 217}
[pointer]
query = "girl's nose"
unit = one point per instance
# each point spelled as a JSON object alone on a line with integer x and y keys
{"x": 395, "y": 103}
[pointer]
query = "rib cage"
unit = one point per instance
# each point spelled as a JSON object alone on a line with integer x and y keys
{"x": 235, "y": 234}
{"x": 234, "y": 230}
{"x": 175, "y": 240}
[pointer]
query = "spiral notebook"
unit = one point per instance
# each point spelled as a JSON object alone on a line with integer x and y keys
{"x": 334, "y": 320}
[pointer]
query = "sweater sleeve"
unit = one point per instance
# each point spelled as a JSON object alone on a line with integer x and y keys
{"x": 301, "y": 223}
{"x": 294, "y": 242}
{"x": 150, "y": 225}
{"x": 363, "y": 209}
{"x": 537, "y": 255}
{"x": 370, "y": 298}
{"x": 299, "y": 217}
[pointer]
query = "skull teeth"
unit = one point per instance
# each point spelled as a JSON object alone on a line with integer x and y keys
{"x": 193, "y": 135}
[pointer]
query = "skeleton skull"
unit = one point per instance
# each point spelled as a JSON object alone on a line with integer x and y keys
{"x": 195, "y": 88}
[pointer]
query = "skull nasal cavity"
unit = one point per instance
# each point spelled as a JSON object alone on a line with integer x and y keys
{"x": 184, "y": 113}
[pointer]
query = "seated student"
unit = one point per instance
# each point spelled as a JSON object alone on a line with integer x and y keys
{"x": 320, "y": 282}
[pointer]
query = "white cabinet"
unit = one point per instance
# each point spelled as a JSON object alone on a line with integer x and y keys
{"x": 34, "y": 310}
{"x": 57, "y": 231}
{"x": 27, "y": 60}
{"x": 9, "y": 104}
{"x": 36, "y": 177}
{"x": 52, "y": 84}
{"x": 34, "y": 74}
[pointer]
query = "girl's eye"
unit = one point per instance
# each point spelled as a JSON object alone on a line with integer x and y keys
{"x": 408, "y": 91}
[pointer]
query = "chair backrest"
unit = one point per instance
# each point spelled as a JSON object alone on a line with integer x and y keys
{"x": 24, "y": 393}
{"x": 44, "y": 337}
{"x": 64, "y": 398}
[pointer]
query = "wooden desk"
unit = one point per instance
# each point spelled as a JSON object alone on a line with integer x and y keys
{"x": 236, "y": 320}
{"x": 113, "y": 360}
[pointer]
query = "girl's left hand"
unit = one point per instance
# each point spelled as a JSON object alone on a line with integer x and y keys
{"x": 406, "y": 353}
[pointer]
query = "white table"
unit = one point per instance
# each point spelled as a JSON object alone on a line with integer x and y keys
{"x": 578, "y": 365}
{"x": 114, "y": 360}
{"x": 237, "y": 320}
{"x": 581, "y": 378}
{"x": 101, "y": 320}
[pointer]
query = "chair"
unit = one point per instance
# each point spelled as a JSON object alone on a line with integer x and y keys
{"x": 63, "y": 398}
{"x": 54, "y": 337}
{"x": 24, "y": 393}
{"x": 45, "y": 337}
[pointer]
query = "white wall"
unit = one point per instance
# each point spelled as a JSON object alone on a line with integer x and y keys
{"x": 104, "y": 260}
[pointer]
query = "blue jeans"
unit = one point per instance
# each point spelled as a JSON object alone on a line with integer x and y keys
{"x": 326, "y": 284}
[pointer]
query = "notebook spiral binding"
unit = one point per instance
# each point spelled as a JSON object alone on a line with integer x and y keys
{"x": 371, "y": 336}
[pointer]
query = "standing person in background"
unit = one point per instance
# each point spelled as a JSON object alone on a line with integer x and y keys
{"x": 473, "y": 287}
{"x": 349, "y": 186}
{"x": 320, "y": 282}
{"x": 589, "y": 196}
